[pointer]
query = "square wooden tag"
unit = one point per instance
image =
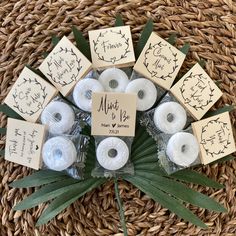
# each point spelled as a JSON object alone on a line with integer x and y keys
{"x": 111, "y": 47}
{"x": 24, "y": 143}
{"x": 113, "y": 114}
{"x": 159, "y": 61}
{"x": 65, "y": 65}
{"x": 215, "y": 137}
{"x": 196, "y": 91}
{"x": 29, "y": 95}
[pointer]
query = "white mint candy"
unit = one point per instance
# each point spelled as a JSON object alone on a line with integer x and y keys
{"x": 114, "y": 80}
{"x": 82, "y": 93}
{"x": 59, "y": 153}
{"x": 146, "y": 93}
{"x": 58, "y": 116}
{"x": 170, "y": 117}
{"x": 112, "y": 153}
{"x": 182, "y": 149}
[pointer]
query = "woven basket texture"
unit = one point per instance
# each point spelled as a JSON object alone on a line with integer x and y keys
{"x": 26, "y": 27}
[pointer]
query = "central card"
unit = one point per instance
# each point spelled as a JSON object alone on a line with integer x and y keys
{"x": 113, "y": 114}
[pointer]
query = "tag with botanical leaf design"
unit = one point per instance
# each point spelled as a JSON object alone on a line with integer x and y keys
{"x": 65, "y": 65}
{"x": 159, "y": 61}
{"x": 111, "y": 47}
{"x": 215, "y": 137}
{"x": 29, "y": 95}
{"x": 196, "y": 91}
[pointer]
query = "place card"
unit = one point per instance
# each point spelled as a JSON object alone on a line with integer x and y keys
{"x": 196, "y": 91}
{"x": 65, "y": 65}
{"x": 24, "y": 141}
{"x": 113, "y": 114}
{"x": 29, "y": 95}
{"x": 215, "y": 137}
{"x": 159, "y": 61}
{"x": 112, "y": 47}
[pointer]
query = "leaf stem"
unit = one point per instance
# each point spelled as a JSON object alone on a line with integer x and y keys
{"x": 121, "y": 211}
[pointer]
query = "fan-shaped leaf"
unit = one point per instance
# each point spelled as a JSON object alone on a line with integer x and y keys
{"x": 181, "y": 191}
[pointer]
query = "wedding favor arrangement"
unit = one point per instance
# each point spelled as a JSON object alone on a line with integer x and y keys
{"x": 117, "y": 98}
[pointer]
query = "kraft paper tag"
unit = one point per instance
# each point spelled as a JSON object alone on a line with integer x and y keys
{"x": 196, "y": 91}
{"x": 159, "y": 61}
{"x": 112, "y": 47}
{"x": 215, "y": 137}
{"x": 65, "y": 65}
{"x": 113, "y": 114}
{"x": 24, "y": 142}
{"x": 29, "y": 95}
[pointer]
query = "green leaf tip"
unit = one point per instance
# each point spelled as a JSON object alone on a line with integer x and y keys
{"x": 185, "y": 48}
{"x": 148, "y": 28}
{"x": 165, "y": 200}
{"x": 202, "y": 63}
{"x": 172, "y": 39}
{"x": 191, "y": 176}
{"x": 81, "y": 43}
{"x": 227, "y": 108}
{"x": 55, "y": 40}
{"x": 9, "y": 112}
{"x": 119, "y": 21}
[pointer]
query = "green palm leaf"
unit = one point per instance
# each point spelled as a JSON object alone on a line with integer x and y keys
{"x": 148, "y": 28}
{"x": 39, "y": 178}
{"x": 165, "y": 200}
{"x": 67, "y": 198}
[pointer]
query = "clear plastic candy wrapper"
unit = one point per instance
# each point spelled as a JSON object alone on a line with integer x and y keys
{"x": 81, "y": 95}
{"x": 178, "y": 151}
{"x": 147, "y": 92}
{"x": 113, "y": 156}
{"x": 66, "y": 153}
{"x": 63, "y": 118}
{"x": 169, "y": 117}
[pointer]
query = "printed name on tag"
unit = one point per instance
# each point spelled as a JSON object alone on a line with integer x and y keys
{"x": 24, "y": 142}
{"x": 196, "y": 91}
{"x": 65, "y": 65}
{"x": 159, "y": 61}
{"x": 29, "y": 95}
{"x": 113, "y": 114}
{"x": 215, "y": 137}
{"x": 112, "y": 47}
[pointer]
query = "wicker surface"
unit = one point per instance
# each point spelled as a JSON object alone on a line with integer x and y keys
{"x": 25, "y": 31}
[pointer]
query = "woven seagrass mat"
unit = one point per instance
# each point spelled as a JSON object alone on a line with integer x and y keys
{"x": 25, "y": 32}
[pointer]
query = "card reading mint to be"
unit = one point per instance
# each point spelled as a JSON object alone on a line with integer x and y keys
{"x": 29, "y": 95}
{"x": 24, "y": 141}
{"x": 111, "y": 47}
{"x": 65, "y": 65}
{"x": 113, "y": 114}
{"x": 159, "y": 61}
